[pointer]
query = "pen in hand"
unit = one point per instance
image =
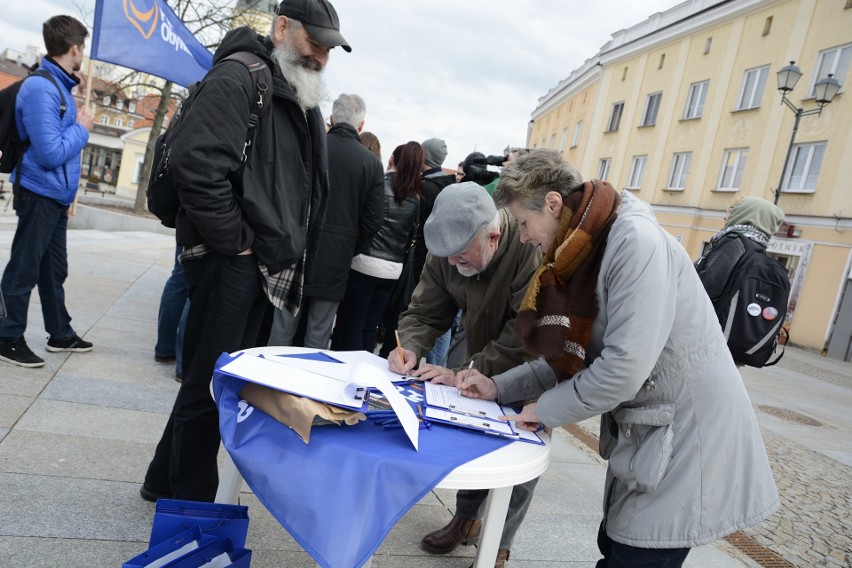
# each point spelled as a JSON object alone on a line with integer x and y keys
{"x": 464, "y": 378}
{"x": 400, "y": 351}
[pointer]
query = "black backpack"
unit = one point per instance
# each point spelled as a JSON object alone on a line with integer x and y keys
{"x": 163, "y": 199}
{"x": 753, "y": 306}
{"x": 11, "y": 145}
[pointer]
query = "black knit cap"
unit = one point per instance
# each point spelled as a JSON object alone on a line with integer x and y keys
{"x": 319, "y": 18}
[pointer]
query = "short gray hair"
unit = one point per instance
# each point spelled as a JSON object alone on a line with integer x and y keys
{"x": 528, "y": 179}
{"x": 350, "y": 109}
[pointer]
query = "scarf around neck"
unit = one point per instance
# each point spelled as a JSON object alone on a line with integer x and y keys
{"x": 560, "y": 305}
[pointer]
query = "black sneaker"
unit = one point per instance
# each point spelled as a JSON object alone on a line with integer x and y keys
{"x": 73, "y": 344}
{"x": 17, "y": 353}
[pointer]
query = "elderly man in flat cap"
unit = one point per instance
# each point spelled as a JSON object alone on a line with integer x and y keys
{"x": 475, "y": 264}
{"x": 250, "y": 213}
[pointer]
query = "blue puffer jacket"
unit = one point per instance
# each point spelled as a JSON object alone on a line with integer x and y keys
{"x": 51, "y": 165}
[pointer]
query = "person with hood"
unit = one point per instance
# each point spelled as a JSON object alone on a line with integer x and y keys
{"x": 753, "y": 218}
{"x": 49, "y": 173}
{"x": 246, "y": 229}
{"x": 622, "y": 328}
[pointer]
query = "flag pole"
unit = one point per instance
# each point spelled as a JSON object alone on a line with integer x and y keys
{"x": 87, "y": 99}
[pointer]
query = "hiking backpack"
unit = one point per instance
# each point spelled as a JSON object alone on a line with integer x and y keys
{"x": 753, "y": 305}
{"x": 163, "y": 199}
{"x": 11, "y": 145}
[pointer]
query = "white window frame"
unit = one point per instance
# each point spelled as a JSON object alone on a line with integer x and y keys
{"x": 734, "y": 162}
{"x": 836, "y": 61}
{"x": 578, "y": 129}
{"x": 806, "y": 158}
{"x": 106, "y": 100}
{"x": 752, "y": 88}
{"x": 695, "y": 100}
{"x": 563, "y": 139}
{"x": 679, "y": 171}
{"x": 603, "y": 168}
{"x": 637, "y": 172}
{"x": 117, "y": 121}
{"x": 131, "y": 107}
{"x": 615, "y": 115}
{"x": 652, "y": 109}
{"x": 104, "y": 119}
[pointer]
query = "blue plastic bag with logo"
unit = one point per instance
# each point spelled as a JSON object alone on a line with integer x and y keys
{"x": 222, "y": 520}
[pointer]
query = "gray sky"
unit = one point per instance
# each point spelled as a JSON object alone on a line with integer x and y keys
{"x": 467, "y": 71}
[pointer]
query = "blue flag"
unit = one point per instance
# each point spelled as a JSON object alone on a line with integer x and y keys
{"x": 147, "y": 36}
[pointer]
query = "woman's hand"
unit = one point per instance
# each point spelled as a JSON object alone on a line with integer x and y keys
{"x": 474, "y": 384}
{"x": 526, "y": 420}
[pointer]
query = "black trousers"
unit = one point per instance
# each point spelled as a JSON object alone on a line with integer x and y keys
{"x": 617, "y": 555}
{"x": 227, "y": 305}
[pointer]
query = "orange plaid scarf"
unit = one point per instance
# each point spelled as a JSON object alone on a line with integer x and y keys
{"x": 560, "y": 305}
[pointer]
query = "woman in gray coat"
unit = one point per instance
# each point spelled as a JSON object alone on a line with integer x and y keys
{"x": 623, "y": 328}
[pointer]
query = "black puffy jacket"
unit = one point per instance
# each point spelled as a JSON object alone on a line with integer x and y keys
{"x": 274, "y": 203}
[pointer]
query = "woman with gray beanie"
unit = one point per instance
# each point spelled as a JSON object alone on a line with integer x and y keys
{"x": 754, "y": 218}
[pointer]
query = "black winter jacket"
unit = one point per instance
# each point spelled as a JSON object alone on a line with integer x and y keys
{"x": 276, "y": 199}
{"x": 715, "y": 267}
{"x": 354, "y": 213}
{"x": 399, "y": 226}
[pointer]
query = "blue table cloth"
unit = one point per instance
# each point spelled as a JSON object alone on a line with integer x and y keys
{"x": 341, "y": 494}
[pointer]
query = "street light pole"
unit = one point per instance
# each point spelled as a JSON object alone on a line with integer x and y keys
{"x": 824, "y": 91}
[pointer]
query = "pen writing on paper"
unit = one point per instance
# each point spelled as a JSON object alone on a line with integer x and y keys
{"x": 400, "y": 351}
{"x": 464, "y": 378}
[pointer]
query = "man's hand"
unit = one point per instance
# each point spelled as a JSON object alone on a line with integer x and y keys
{"x": 85, "y": 118}
{"x": 474, "y": 384}
{"x": 401, "y": 367}
{"x": 526, "y": 420}
{"x": 435, "y": 373}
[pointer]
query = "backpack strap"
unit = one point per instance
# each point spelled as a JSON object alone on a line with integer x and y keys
{"x": 261, "y": 81}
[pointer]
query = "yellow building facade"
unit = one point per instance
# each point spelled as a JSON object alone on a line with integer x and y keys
{"x": 683, "y": 110}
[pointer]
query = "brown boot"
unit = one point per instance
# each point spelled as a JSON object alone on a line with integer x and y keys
{"x": 502, "y": 557}
{"x": 459, "y": 531}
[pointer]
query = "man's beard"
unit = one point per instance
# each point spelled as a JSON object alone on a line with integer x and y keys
{"x": 303, "y": 73}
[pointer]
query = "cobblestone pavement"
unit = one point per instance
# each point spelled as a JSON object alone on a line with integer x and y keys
{"x": 813, "y": 525}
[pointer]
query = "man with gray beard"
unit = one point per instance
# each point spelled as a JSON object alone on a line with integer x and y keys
{"x": 246, "y": 224}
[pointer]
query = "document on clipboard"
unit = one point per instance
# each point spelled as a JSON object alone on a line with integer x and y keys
{"x": 445, "y": 404}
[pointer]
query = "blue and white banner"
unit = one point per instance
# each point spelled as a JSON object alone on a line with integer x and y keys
{"x": 147, "y": 36}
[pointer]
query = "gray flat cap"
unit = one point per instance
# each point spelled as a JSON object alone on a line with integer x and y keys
{"x": 460, "y": 211}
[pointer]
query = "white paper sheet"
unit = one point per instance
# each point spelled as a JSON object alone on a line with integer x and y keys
{"x": 340, "y": 384}
{"x": 486, "y": 425}
{"x": 369, "y": 358}
{"x": 447, "y": 397}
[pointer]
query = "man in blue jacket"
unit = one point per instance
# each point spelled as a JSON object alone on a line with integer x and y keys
{"x": 50, "y": 173}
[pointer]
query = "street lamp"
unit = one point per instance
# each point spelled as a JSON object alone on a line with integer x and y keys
{"x": 824, "y": 92}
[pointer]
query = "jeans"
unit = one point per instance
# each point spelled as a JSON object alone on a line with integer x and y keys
{"x": 320, "y": 318}
{"x": 438, "y": 354}
{"x": 617, "y": 555}
{"x": 359, "y": 314}
{"x": 171, "y": 308}
{"x": 39, "y": 257}
{"x": 470, "y": 502}
{"x": 227, "y": 306}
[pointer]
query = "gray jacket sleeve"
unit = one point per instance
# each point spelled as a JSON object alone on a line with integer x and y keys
{"x": 524, "y": 382}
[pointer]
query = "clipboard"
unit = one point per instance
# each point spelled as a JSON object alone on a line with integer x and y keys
{"x": 445, "y": 405}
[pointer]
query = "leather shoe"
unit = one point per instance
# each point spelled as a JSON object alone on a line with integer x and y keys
{"x": 502, "y": 557}
{"x": 459, "y": 531}
{"x": 152, "y": 496}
